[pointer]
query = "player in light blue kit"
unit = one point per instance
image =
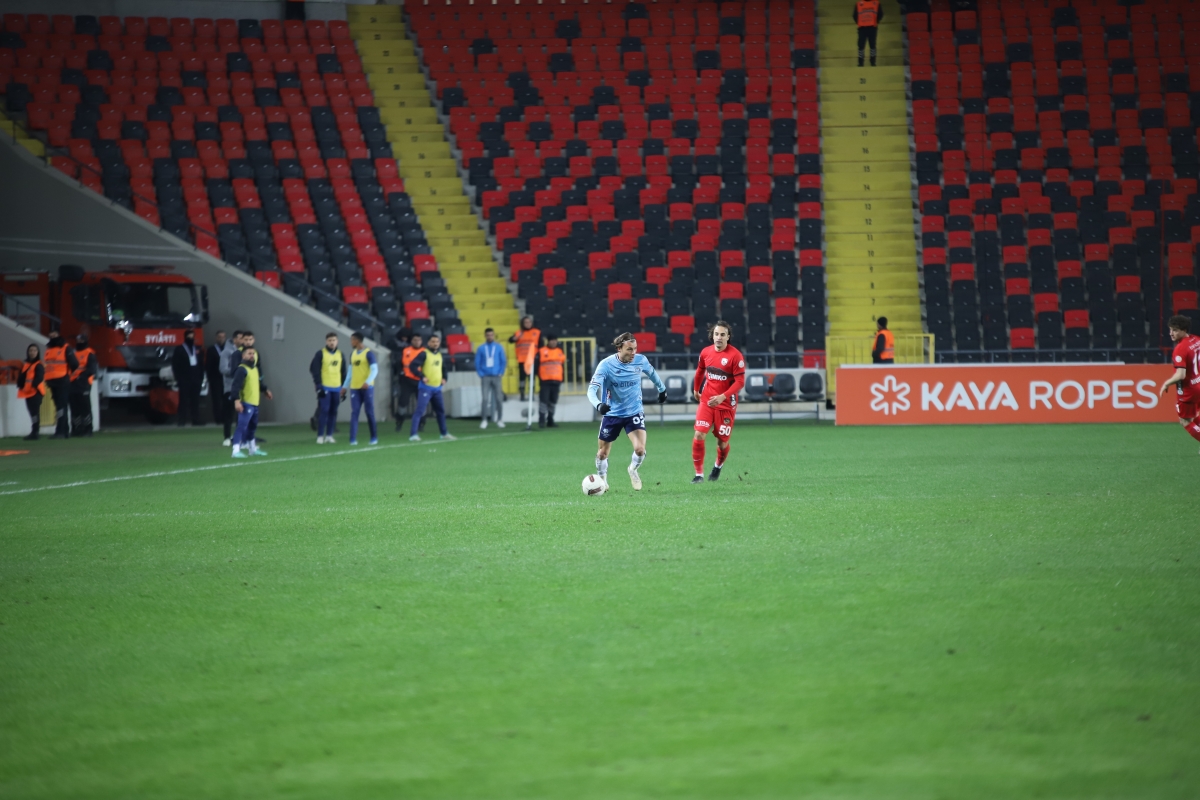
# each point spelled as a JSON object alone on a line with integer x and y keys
{"x": 616, "y": 392}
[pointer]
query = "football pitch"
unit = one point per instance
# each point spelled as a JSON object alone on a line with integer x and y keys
{"x": 991, "y": 612}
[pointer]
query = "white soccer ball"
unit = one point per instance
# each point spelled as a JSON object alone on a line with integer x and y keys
{"x": 594, "y": 486}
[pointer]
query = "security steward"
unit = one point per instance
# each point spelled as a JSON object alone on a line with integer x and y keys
{"x": 31, "y": 386}
{"x": 60, "y": 362}
{"x": 408, "y": 380}
{"x": 550, "y": 364}
{"x": 867, "y": 14}
{"x": 527, "y": 341}
{"x": 81, "y": 387}
{"x": 884, "y": 351}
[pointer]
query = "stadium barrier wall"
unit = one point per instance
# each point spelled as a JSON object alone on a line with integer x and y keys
{"x": 48, "y": 219}
{"x": 990, "y": 394}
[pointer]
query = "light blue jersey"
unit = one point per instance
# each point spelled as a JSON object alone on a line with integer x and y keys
{"x": 620, "y": 385}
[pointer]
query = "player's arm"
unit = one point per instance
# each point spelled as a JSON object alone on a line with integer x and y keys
{"x": 877, "y": 350}
{"x": 239, "y": 380}
{"x": 1179, "y": 377}
{"x": 373, "y": 372}
{"x": 698, "y": 381}
{"x": 595, "y": 391}
{"x": 738, "y": 380}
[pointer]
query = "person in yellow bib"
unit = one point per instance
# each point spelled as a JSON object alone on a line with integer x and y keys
{"x": 364, "y": 368}
{"x": 247, "y": 391}
{"x": 428, "y": 367}
{"x": 328, "y": 370}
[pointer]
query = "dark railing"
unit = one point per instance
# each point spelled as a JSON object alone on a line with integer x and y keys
{"x": 351, "y": 316}
{"x": 754, "y": 361}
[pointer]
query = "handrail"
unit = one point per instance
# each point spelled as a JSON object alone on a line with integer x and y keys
{"x": 55, "y": 322}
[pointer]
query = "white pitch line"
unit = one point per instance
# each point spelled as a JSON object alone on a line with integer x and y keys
{"x": 253, "y": 462}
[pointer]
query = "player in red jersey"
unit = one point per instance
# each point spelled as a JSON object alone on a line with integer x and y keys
{"x": 720, "y": 375}
{"x": 1186, "y": 360}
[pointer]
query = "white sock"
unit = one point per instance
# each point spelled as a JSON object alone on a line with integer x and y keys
{"x": 717, "y": 466}
{"x": 602, "y": 467}
{"x": 237, "y": 448}
{"x": 253, "y": 447}
{"x": 637, "y": 460}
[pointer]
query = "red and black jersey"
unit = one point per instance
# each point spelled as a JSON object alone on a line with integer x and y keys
{"x": 1186, "y": 356}
{"x": 721, "y": 372}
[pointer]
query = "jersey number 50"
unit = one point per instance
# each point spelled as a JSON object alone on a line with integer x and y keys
{"x": 725, "y": 430}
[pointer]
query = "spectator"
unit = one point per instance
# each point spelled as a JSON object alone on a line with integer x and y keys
{"x": 407, "y": 381}
{"x": 364, "y": 368}
{"x": 328, "y": 370}
{"x": 187, "y": 363}
{"x": 884, "y": 350}
{"x": 81, "y": 387}
{"x": 59, "y": 363}
{"x": 551, "y": 361}
{"x": 31, "y": 386}
{"x": 527, "y": 341}
{"x": 868, "y": 14}
{"x": 490, "y": 364}
{"x": 216, "y": 366}
{"x": 248, "y": 390}
{"x": 428, "y": 366}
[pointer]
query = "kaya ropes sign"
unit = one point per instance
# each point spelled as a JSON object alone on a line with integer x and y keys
{"x": 988, "y": 394}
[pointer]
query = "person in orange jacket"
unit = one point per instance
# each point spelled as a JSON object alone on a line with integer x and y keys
{"x": 868, "y": 14}
{"x": 31, "y": 387}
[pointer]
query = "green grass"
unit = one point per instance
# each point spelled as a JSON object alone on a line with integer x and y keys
{"x": 993, "y": 612}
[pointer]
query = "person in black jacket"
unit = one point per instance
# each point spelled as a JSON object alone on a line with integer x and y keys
{"x": 81, "y": 387}
{"x": 187, "y": 362}
{"x": 60, "y": 362}
{"x": 328, "y": 370}
{"x": 216, "y": 355}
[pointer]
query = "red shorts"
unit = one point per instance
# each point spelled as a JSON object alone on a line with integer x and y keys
{"x": 719, "y": 420}
{"x": 1186, "y": 408}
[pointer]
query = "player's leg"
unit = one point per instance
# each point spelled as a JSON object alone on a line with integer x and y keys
{"x": 555, "y": 388}
{"x": 422, "y": 401}
{"x": 439, "y": 410}
{"x": 702, "y": 427}
{"x": 1189, "y": 417}
{"x": 543, "y": 403}
{"x": 368, "y": 393}
{"x": 637, "y": 437}
{"x": 722, "y": 430}
{"x": 608, "y": 434}
{"x": 335, "y": 400}
{"x": 355, "y": 405}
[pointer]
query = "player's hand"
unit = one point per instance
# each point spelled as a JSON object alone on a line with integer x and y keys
{"x": 1162, "y": 392}
{"x": 343, "y": 394}
{"x": 604, "y": 408}
{"x": 269, "y": 395}
{"x": 238, "y": 405}
{"x": 662, "y": 398}
{"x": 716, "y": 400}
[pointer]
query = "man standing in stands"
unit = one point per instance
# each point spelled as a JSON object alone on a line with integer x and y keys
{"x": 428, "y": 365}
{"x": 490, "y": 364}
{"x": 60, "y": 362}
{"x": 187, "y": 363}
{"x": 328, "y": 369}
{"x": 549, "y": 365}
{"x": 884, "y": 350}
{"x": 868, "y": 14}
{"x": 81, "y": 387}
{"x": 364, "y": 368}
{"x": 31, "y": 386}
{"x": 216, "y": 367}
{"x": 408, "y": 381}
{"x": 527, "y": 341}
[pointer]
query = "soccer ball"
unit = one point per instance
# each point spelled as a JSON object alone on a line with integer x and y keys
{"x": 594, "y": 486}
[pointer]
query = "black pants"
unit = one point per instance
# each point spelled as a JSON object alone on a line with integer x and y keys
{"x": 867, "y": 35}
{"x": 81, "y": 413}
{"x": 34, "y": 406}
{"x": 60, "y": 393}
{"x": 548, "y": 400}
{"x": 189, "y": 403}
{"x": 405, "y": 400}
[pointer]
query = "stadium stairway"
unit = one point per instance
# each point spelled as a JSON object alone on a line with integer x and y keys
{"x": 870, "y": 253}
{"x": 430, "y": 172}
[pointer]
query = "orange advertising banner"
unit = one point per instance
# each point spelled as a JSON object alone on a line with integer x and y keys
{"x": 991, "y": 394}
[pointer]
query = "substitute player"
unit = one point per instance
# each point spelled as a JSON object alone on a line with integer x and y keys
{"x": 616, "y": 392}
{"x": 720, "y": 375}
{"x": 1186, "y": 360}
